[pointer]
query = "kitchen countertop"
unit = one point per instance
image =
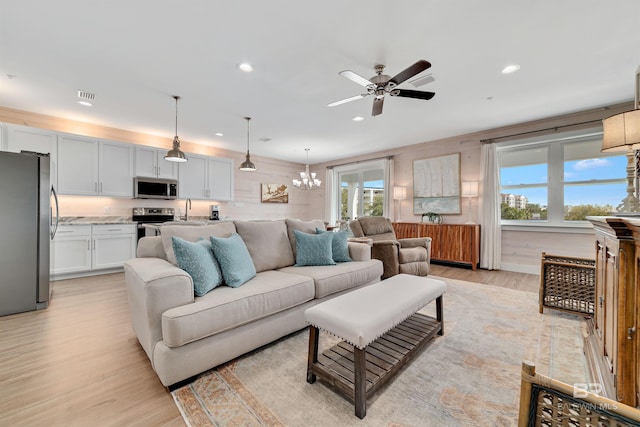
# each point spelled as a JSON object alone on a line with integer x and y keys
{"x": 89, "y": 220}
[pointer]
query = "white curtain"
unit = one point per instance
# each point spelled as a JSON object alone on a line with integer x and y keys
{"x": 388, "y": 189}
{"x": 330, "y": 197}
{"x": 489, "y": 214}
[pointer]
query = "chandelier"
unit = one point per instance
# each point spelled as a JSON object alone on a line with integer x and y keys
{"x": 307, "y": 180}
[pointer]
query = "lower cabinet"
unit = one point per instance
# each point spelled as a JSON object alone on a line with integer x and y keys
{"x": 454, "y": 243}
{"x": 79, "y": 250}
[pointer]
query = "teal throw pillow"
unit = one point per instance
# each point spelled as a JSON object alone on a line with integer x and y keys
{"x": 339, "y": 246}
{"x": 313, "y": 249}
{"x": 234, "y": 259}
{"x": 197, "y": 259}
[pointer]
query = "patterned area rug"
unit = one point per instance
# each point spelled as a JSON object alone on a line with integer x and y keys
{"x": 468, "y": 377}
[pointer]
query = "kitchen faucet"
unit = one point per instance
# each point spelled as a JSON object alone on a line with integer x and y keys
{"x": 187, "y": 207}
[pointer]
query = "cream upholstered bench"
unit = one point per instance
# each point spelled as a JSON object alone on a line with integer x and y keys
{"x": 382, "y": 332}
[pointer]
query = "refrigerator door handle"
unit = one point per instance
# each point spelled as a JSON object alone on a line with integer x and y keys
{"x": 54, "y": 230}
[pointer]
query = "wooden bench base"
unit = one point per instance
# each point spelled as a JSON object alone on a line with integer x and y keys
{"x": 358, "y": 373}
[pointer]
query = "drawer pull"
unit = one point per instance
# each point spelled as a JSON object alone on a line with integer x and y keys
{"x": 631, "y": 332}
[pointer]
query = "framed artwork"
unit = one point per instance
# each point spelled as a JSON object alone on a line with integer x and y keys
{"x": 275, "y": 193}
{"x": 436, "y": 185}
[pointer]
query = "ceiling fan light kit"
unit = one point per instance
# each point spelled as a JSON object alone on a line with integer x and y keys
{"x": 175, "y": 154}
{"x": 382, "y": 84}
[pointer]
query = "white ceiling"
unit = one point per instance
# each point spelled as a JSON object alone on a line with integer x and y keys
{"x": 135, "y": 55}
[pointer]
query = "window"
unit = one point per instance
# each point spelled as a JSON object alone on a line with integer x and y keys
{"x": 559, "y": 180}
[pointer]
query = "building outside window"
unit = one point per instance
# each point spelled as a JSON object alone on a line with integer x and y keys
{"x": 559, "y": 180}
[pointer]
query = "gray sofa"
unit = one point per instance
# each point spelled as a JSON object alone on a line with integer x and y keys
{"x": 184, "y": 335}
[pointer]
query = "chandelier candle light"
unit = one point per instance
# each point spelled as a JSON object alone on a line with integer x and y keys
{"x": 307, "y": 180}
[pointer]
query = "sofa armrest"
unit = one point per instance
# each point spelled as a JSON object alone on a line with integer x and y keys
{"x": 359, "y": 251}
{"x": 387, "y": 252}
{"x": 154, "y": 285}
{"x": 150, "y": 247}
{"x": 417, "y": 242}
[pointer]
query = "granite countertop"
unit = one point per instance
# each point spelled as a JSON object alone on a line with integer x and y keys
{"x": 88, "y": 220}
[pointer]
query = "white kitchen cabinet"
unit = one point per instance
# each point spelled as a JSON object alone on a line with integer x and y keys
{"x": 78, "y": 165}
{"x": 206, "y": 178}
{"x": 80, "y": 250}
{"x": 23, "y": 138}
{"x": 115, "y": 169}
{"x": 71, "y": 250}
{"x": 112, "y": 245}
{"x": 150, "y": 162}
{"x": 91, "y": 167}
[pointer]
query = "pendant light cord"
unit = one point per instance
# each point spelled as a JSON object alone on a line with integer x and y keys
{"x": 248, "y": 118}
{"x": 176, "y": 98}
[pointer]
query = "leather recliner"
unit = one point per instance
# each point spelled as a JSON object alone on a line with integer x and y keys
{"x": 408, "y": 256}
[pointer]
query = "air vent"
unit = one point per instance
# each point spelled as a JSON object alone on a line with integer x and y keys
{"x": 264, "y": 139}
{"x": 87, "y": 96}
{"x": 422, "y": 80}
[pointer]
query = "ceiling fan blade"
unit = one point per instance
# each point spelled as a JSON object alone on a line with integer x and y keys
{"x": 356, "y": 78}
{"x": 344, "y": 101}
{"x": 411, "y": 71}
{"x": 377, "y": 106}
{"x": 417, "y": 94}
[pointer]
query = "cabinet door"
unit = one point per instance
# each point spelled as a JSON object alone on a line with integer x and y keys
{"x": 77, "y": 165}
{"x": 220, "y": 179}
{"x": 146, "y": 161}
{"x": 599, "y": 313}
{"x": 110, "y": 251}
{"x": 116, "y": 169}
{"x": 31, "y": 139}
{"x": 193, "y": 178}
{"x": 610, "y": 298}
{"x": 167, "y": 169}
{"x": 433, "y": 231}
{"x": 71, "y": 254}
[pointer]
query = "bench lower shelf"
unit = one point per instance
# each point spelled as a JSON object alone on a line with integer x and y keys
{"x": 358, "y": 374}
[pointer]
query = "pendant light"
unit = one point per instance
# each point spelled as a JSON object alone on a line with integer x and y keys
{"x": 175, "y": 155}
{"x": 247, "y": 165}
{"x": 307, "y": 180}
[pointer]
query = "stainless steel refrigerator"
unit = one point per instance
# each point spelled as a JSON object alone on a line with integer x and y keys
{"x": 25, "y": 231}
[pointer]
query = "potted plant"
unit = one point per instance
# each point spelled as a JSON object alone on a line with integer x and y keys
{"x": 432, "y": 217}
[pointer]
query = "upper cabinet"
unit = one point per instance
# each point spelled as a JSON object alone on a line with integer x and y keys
{"x": 206, "y": 178}
{"x": 22, "y": 138}
{"x": 150, "y": 162}
{"x": 91, "y": 167}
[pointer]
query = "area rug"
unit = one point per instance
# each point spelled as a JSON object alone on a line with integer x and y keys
{"x": 468, "y": 377}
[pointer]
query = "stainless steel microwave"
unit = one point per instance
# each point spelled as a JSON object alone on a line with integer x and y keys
{"x": 154, "y": 188}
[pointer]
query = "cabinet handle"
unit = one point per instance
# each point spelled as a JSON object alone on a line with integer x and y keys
{"x": 631, "y": 332}
{"x": 100, "y": 187}
{"x": 95, "y": 187}
{"x": 158, "y": 171}
{"x": 601, "y": 300}
{"x": 94, "y": 245}
{"x": 88, "y": 245}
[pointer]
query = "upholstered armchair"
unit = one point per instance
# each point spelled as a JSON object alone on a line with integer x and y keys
{"x": 409, "y": 256}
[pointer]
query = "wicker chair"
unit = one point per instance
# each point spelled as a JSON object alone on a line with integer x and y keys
{"x": 408, "y": 256}
{"x": 551, "y": 403}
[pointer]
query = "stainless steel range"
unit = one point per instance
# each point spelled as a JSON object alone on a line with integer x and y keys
{"x": 151, "y": 216}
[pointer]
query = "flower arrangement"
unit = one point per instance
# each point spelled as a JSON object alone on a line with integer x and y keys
{"x": 432, "y": 217}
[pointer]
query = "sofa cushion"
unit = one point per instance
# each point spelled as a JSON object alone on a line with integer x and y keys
{"x": 225, "y": 308}
{"x": 198, "y": 260}
{"x": 313, "y": 249}
{"x": 375, "y": 225}
{"x": 192, "y": 233}
{"x": 267, "y": 242}
{"x": 304, "y": 226}
{"x": 234, "y": 259}
{"x": 339, "y": 246}
{"x": 329, "y": 279}
{"x": 416, "y": 254}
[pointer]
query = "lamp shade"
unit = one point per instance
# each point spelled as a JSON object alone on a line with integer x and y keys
{"x": 399, "y": 193}
{"x": 621, "y": 132}
{"x": 469, "y": 188}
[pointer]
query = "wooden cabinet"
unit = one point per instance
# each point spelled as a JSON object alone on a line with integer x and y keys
{"x": 150, "y": 162}
{"x": 455, "y": 243}
{"x": 206, "y": 178}
{"x": 115, "y": 169}
{"x": 611, "y": 346}
{"x": 79, "y": 250}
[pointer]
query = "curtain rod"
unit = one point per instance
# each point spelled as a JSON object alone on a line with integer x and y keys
{"x": 361, "y": 161}
{"x": 555, "y": 128}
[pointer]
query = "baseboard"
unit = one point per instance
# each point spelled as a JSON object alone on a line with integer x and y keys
{"x": 519, "y": 268}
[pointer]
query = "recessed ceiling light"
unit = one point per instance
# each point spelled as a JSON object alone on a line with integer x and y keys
{"x": 246, "y": 67}
{"x": 358, "y": 119}
{"x": 85, "y": 103}
{"x": 219, "y": 134}
{"x": 512, "y": 68}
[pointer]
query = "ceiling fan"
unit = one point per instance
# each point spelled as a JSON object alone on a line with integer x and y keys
{"x": 381, "y": 84}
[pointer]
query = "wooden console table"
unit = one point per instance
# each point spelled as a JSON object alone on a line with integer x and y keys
{"x": 454, "y": 243}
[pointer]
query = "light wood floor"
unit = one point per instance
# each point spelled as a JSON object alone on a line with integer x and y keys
{"x": 78, "y": 363}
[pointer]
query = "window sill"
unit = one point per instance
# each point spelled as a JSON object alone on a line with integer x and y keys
{"x": 579, "y": 228}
